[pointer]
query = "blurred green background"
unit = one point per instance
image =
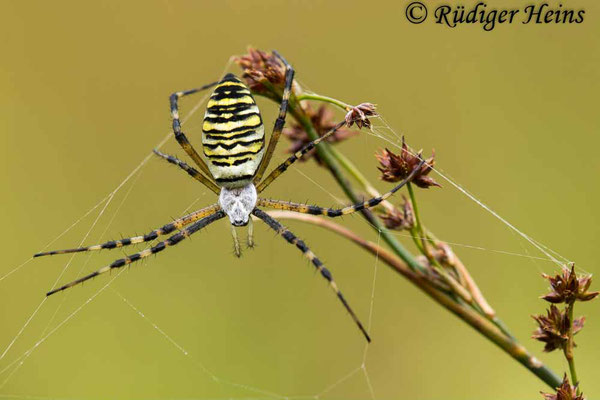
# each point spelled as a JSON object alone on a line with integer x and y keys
{"x": 512, "y": 114}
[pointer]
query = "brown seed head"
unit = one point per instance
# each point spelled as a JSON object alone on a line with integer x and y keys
{"x": 395, "y": 167}
{"x": 564, "y": 392}
{"x": 322, "y": 121}
{"x": 359, "y": 115}
{"x": 553, "y": 328}
{"x": 259, "y": 68}
{"x": 567, "y": 287}
{"x": 444, "y": 253}
{"x": 400, "y": 219}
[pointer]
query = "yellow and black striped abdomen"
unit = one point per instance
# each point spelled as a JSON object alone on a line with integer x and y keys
{"x": 233, "y": 134}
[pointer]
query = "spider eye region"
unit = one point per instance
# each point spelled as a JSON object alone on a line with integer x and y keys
{"x": 238, "y": 203}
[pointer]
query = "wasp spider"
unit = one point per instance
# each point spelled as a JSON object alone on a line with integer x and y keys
{"x": 233, "y": 142}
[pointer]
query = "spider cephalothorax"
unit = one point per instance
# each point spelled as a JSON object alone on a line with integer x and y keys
{"x": 233, "y": 143}
{"x": 238, "y": 203}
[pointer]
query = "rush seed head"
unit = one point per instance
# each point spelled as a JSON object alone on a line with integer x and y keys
{"x": 567, "y": 287}
{"x": 402, "y": 218}
{"x": 360, "y": 114}
{"x": 261, "y": 67}
{"x": 396, "y": 167}
{"x": 565, "y": 391}
{"x": 553, "y": 328}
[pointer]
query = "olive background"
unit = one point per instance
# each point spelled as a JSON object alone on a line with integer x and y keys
{"x": 511, "y": 113}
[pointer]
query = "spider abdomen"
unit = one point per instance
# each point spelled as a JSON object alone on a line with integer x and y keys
{"x": 233, "y": 134}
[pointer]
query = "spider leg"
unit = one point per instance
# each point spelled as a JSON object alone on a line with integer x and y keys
{"x": 250, "y": 240}
{"x": 179, "y": 135}
{"x": 171, "y": 241}
{"x": 165, "y": 230}
{"x": 335, "y": 212}
{"x": 236, "y": 242}
{"x": 280, "y": 121}
{"x": 190, "y": 170}
{"x": 281, "y": 168}
{"x": 292, "y": 239}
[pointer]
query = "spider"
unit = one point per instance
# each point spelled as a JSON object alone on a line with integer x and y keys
{"x": 233, "y": 142}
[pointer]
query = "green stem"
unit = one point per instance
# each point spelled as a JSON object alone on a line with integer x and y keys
{"x": 570, "y": 345}
{"x": 414, "y": 234}
{"x": 340, "y": 158}
{"x": 325, "y": 99}
{"x": 418, "y": 235}
{"x": 418, "y": 224}
{"x": 473, "y": 318}
{"x": 500, "y": 324}
{"x": 413, "y": 200}
{"x": 325, "y": 153}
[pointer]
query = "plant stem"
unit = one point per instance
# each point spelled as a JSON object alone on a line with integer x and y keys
{"x": 341, "y": 159}
{"x": 467, "y": 314}
{"x": 324, "y": 151}
{"x": 418, "y": 237}
{"x": 570, "y": 345}
{"x": 418, "y": 225}
{"x": 318, "y": 97}
{"x": 413, "y": 200}
{"x": 418, "y": 234}
{"x": 414, "y": 271}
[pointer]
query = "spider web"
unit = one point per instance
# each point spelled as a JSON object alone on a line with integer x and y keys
{"x": 9, "y": 367}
